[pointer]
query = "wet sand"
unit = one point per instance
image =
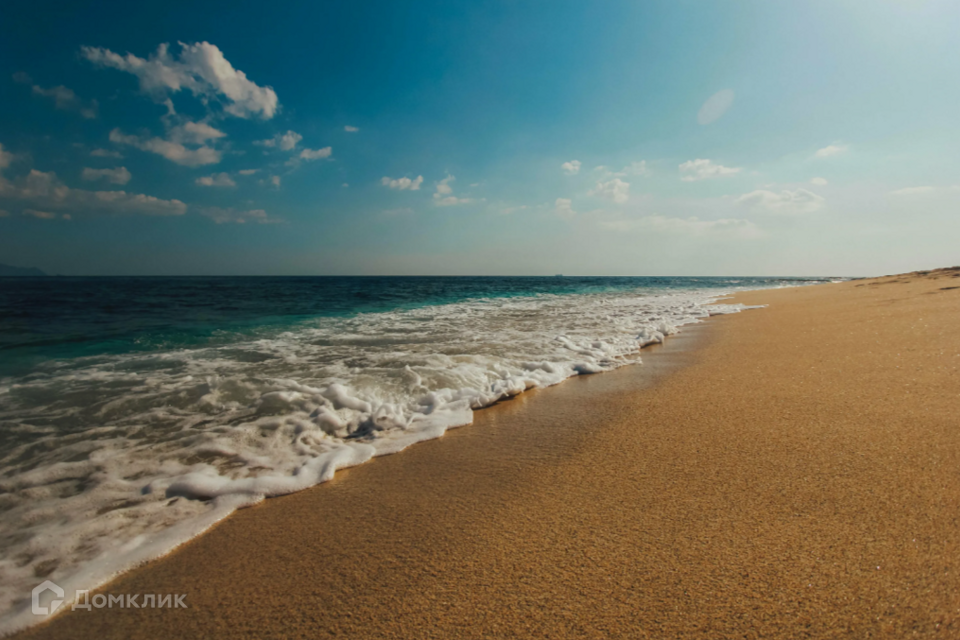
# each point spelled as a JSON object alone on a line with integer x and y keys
{"x": 794, "y": 474}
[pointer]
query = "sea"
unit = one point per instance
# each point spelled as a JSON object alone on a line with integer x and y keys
{"x": 137, "y": 412}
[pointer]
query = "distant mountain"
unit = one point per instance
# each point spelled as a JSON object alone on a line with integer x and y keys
{"x": 7, "y": 270}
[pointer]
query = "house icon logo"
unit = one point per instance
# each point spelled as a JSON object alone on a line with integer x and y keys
{"x": 40, "y": 588}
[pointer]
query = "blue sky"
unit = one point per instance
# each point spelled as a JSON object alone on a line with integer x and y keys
{"x": 633, "y": 138}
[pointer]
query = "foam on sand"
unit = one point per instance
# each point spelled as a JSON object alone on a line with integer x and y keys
{"x": 130, "y": 455}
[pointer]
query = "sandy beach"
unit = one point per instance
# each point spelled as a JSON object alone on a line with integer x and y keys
{"x": 792, "y": 471}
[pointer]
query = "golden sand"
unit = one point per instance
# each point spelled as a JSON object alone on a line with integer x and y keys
{"x": 798, "y": 477}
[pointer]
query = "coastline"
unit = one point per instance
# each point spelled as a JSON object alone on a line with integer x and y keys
{"x": 757, "y": 487}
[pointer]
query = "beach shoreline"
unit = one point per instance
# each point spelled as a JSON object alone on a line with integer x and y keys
{"x": 744, "y": 486}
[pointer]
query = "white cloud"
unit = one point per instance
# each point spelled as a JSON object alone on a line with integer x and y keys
{"x": 46, "y": 192}
{"x": 194, "y": 133}
{"x": 350, "y": 129}
{"x": 316, "y": 154}
{"x": 831, "y": 150}
{"x": 564, "y": 208}
{"x": 43, "y": 215}
{"x": 4, "y": 213}
{"x": 105, "y": 153}
{"x": 715, "y": 106}
{"x": 272, "y": 181}
{"x": 284, "y": 141}
{"x": 450, "y": 201}
{"x": 247, "y": 172}
{"x": 216, "y": 180}
{"x": 173, "y": 151}
{"x": 66, "y": 100}
{"x": 820, "y": 182}
{"x": 616, "y": 190}
{"x": 119, "y": 175}
{"x": 703, "y": 169}
{"x": 402, "y": 184}
{"x": 200, "y": 68}
{"x": 633, "y": 169}
{"x": 571, "y": 168}
{"x": 443, "y": 197}
{"x": 785, "y": 202}
{"x": 503, "y": 210}
{"x": 233, "y": 216}
{"x": 689, "y": 226}
{"x": 913, "y": 191}
{"x": 5, "y": 158}
{"x": 443, "y": 187}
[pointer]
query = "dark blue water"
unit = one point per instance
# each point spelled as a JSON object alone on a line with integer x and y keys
{"x": 53, "y": 318}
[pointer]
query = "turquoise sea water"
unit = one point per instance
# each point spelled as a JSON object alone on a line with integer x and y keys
{"x": 136, "y": 412}
{"x": 57, "y": 318}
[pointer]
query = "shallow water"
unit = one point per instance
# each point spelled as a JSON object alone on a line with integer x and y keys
{"x": 136, "y": 412}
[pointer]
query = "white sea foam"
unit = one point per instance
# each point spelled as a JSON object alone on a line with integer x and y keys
{"x": 131, "y": 455}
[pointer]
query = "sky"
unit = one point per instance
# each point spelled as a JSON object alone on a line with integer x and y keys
{"x": 673, "y": 137}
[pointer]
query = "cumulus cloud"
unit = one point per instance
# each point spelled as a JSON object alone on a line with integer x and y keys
{"x": 350, "y": 129}
{"x": 200, "y": 68}
{"x": 5, "y": 158}
{"x": 283, "y": 141}
{"x": 42, "y": 215}
{"x": 234, "y": 216}
{"x": 443, "y": 196}
{"x": 316, "y": 154}
{"x": 616, "y": 190}
{"x": 45, "y": 192}
{"x": 571, "y": 168}
{"x": 638, "y": 168}
{"x": 704, "y": 169}
{"x": 820, "y": 182}
{"x": 66, "y": 100}
{"x": 831, "y": 150}
{"x": 715, "y": 106}
{"x": 105, "y": 153}
{"x": 171, "y": 150}
{"x": 194, "y": 133}
{"x": 402, "y": 184}
{"x": 688, "y": 226}
{"x": 247, "y": 172}
{"x": 563, "y": 207}
{"x": 216, "y": 180}
{"x": 443, "y": 187}
{"x": 785, "y": 202}
{"x": 119, "y": 175}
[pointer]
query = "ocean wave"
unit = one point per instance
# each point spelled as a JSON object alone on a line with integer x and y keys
{"x": 129, "y": 455}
